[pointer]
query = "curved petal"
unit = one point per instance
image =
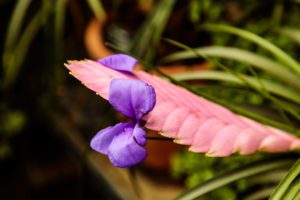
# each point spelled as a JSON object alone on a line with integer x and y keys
{"x": 119, "y": 62}
{"x": 133, "y": 98}
{"x": 103, "y": 139}
{"x": 125, "y": 149}
{"x": 139, "y": 135}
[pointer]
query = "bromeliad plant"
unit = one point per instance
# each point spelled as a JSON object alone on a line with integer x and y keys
{"x": 195, "y": 121}
{"x": 179, "y": 114}
{"x": 175, "y": 113}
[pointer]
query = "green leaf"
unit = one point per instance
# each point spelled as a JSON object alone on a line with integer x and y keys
{"x": 148, "y": 37}
{"x": 232, "y": 93}
{"x": 244, "y": 56}
{"x": 281, "y": 189}
{"x": 273, "y": 177}
{"x": 15, "y": 23}
{"x": 277, "y": 52}
{"x": 292, "y": 33}
{"x": 16, "y": 56}
{"x": 60, "y": 13}
{"x": 11, "y": 39}
{"x": 97, "y": 8}
{"x": 293, "y": 189}
{"x": 270, "y": 86}
{"x": 234, "y": 175}
{"x": 260, "y": 194}
{"x": 297, "y": 197}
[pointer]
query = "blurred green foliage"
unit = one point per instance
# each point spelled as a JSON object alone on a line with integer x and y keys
{"x": 11, "y": 123}
{"x": 276, "y": 21}
{"x": 198, "y": 168}
{"x": 27, "y": 20}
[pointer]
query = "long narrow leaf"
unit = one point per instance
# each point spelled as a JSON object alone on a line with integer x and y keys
{"x": 97, "y": 8}
{"x": 237, "y": 54}
{"x": 150, "y": 33}
{"x": 268, "y": 178}
{"x": 260, "y": 194}
{"x": 292, "y": 33}
{"x": 60, "y": 13}
{"x": 229, "y": 177}
{"x": 277, "y": 52}
{"x": 285, "y": 183}
{"x": 293, "y": 189}
{"x": 270, "y": 86}
{"x": 17, "y": 56}
{"x": 12, "y": 34}
{"x": 297, "y": 197}
{"x": 162, "y": 18}
{"x": 16, "y": 23}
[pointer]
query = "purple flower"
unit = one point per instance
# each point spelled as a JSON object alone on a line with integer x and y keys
{"x": 120, "y": 62}
{"x": 124, "y": 143}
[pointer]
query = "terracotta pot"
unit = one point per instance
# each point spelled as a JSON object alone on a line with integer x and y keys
{"x": 93, "y": 39}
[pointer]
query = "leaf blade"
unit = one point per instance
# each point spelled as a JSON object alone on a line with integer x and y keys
{"x": 240, "y": 55}
{"x": 272, "y": 87}
{"x": 284, "y": 184}
{"x": 277, "y": 52}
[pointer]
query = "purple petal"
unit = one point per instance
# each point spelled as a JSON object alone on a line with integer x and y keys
{"x": 133, "y": 98}
{"x": 102, "y": 140}
{"x": 125, "y": 150}
{"x": 140, "y": 135}
{"x": 119, "y": 62}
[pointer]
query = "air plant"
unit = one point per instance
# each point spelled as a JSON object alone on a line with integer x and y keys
{"x": 202, "y": 124}
{"x": 208, "y": 124}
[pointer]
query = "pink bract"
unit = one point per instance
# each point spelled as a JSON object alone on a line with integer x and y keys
{"x": 190, "y": 119}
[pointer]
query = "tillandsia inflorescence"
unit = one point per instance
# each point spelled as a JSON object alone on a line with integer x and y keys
{"x": 178, "y": 113}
